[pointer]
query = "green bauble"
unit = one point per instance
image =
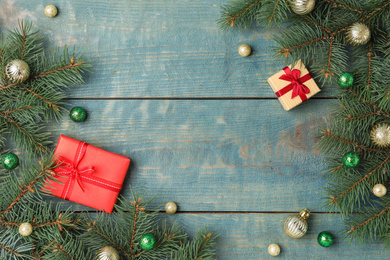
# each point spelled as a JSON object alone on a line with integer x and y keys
{"x": 10, "y": 161}
{"x": 351, "y": 159}
{"x": 346, "y": 80}
{"x": 325, "y": 239}
{"x": 147, "y": 241}
{"x": 78, "y": 114}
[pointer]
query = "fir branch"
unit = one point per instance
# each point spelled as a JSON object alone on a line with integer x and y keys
{"x": 13, "y": 252}
{"x": 42, "y": 98}
{"x": 137, "y": 210}
{"x": 206, "y": 239}
{"x": 369, "y": 54}
{"x": 272, "y": 17}
{"x": 16, "y": 110}
{"x": 60, "y": 249}
{"x": 369, "y": 103}
{"x": 369, "y": 220}
{"x": 71, "y": 65}
{"x": 240, "y": 14}
{"x": 342, "y": 6}
{"x": 362, "y": 116}
{"x": 375, "y": 12}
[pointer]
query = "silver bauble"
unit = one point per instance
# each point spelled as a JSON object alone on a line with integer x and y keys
{"x": 380, "y": 135}
{"x": 302, "y": 7}
{"x": 17, "y": 71}
{"x": 107, "y": 253}
{"x": 295, "y": 226}
{"x": 358, "y": 34}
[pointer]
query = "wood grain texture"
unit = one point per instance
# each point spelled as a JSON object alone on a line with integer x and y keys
{"x": 211, "y": 155}
{"x": 158, "y": 48}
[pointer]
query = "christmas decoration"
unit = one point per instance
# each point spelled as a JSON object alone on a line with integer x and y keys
{"x": 351, "y": 159}
{"x": 50, "y": 11}
{"x": 25, "y": 229}
{"x": 358, "y": 34}
{"x": 147, "y": 241}
{"x": 274, "y": 249}
{"x": 77, "y": 114}
{"x": 293, "y": 86}
{"x": 244, "y": 50}
{"x": 325, "y": 239}
{"x": 380, "y": 135}
{"x": 171, "y": 207}
{"x": 107, "y": 253}
{"x": 302, "y": 7}
{"x": 295, "y": 226}
{"x": 32, "y": 88}
{"x": 17, "y": 71}
{"x": 89, "y": 175}
{"x": 346, "y": 80}
{"x": 10, "y": 161}
{"x": 379, "y": 190}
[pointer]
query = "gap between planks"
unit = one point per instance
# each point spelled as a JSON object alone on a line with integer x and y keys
{"x": 185, "y": 98}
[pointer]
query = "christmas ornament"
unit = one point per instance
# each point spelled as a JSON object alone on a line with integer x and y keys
{"x": 147, "y": 241}
{"x": 25, "y": 229}
{"x": 346, "y": 80}
{"x": 351, "y": 159}
{"x": 295, "y": 226}
{"x": 274, "y": 249}
{"x": 302, "y": 7}
{"x": 358, "y": 34}
{"x": 17, "y": 71}
{"x": 51, "y": 11}
{"x": 325, "y": 239}
{"x": 10, "y": 161}
{"x": 245, "y": 50}
{"x": 107, "y": 253}
{"x": 78, "y": 114}
{"x": 171, "y": 207}
{"x": 380, "y": 135}
{"x": 379, "y": 190}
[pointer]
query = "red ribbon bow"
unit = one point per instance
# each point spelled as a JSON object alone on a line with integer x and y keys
{"x": 296, "y": 85}
{"x": 75, "y": 174}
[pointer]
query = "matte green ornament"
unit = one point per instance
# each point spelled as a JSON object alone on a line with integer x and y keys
{"x": 147, "y": 241}
{"x": 325, "y": 239}
{"x": 351, "y": 159}
{"x": 346, "y": 80}
{"x": 10, "y": 161}
{"x": 78, "y": 114}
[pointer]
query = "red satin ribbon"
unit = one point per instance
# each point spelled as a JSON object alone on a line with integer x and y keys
{"x": 296, "y": 85}
{"x": 76, "y": 175}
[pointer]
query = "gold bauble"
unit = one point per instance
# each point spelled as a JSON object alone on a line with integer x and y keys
{"x": 302, "y": 7}
{"x": 358, "y": 34}
{"x": 171, "y": 207}
{"x": 107, "y": 253}
{"x": 51, "y": 11}
{"x": 295, "y": 226}
{"x": 25, "y": 229}
{"x": 274, "y": 249}
{"x": 380, "y": 135}
{"x": 17, "y": 71}
{"x": 379, "y": 190}
{"x": 244, "y": 50}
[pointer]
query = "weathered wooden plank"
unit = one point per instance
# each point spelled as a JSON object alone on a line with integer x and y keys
{"x": 211, "y": 155}
{"x": 155, "y": 48}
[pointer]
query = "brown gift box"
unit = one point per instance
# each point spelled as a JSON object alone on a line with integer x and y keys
{"x": 296, "y": 82}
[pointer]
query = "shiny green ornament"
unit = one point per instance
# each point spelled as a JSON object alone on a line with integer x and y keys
{"x": 10, "y": 161}
{"x": 346, "y": 80}
{"x": 147, "y": 241}
{"x": 78, "y": 114}
{"x": 325, "y": 239}
{"x": 351, "y": 159}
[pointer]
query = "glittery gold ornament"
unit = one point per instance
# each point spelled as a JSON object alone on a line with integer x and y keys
{"x": 302, "y": 7}
{"x": 17, "y": 71}
{"x": 274, "y": 249}
{"x": 25, "y": 229}
{"x": 51, "y": 11}
{"x": 358, "y": 34}
{"x": 244, "y": 50}
{"x": 295, "y": 226}
{"x": 380, "y": 135}
{"x": 107, "y": 253}
{"x": 379, "y": 190}
{"x": 171, "y": 207}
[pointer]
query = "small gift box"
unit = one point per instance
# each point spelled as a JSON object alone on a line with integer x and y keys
{"x": 88, "y": 175}
{"x": 292, "y": 87}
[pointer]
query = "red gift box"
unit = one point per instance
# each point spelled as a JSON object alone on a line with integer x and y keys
{"x": 88, "y": 175}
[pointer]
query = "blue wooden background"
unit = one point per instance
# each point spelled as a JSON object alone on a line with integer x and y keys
{"x": 199, "y": 122}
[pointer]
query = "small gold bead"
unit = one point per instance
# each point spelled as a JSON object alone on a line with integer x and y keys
{"x": 25, "y": 229}
{"x": 274, "y": 249}
{"x": 51, "y": 11}
{"x": 171, "y": 207}
{"x": 379, "y": 190}
{"x": 245, "y": 50}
